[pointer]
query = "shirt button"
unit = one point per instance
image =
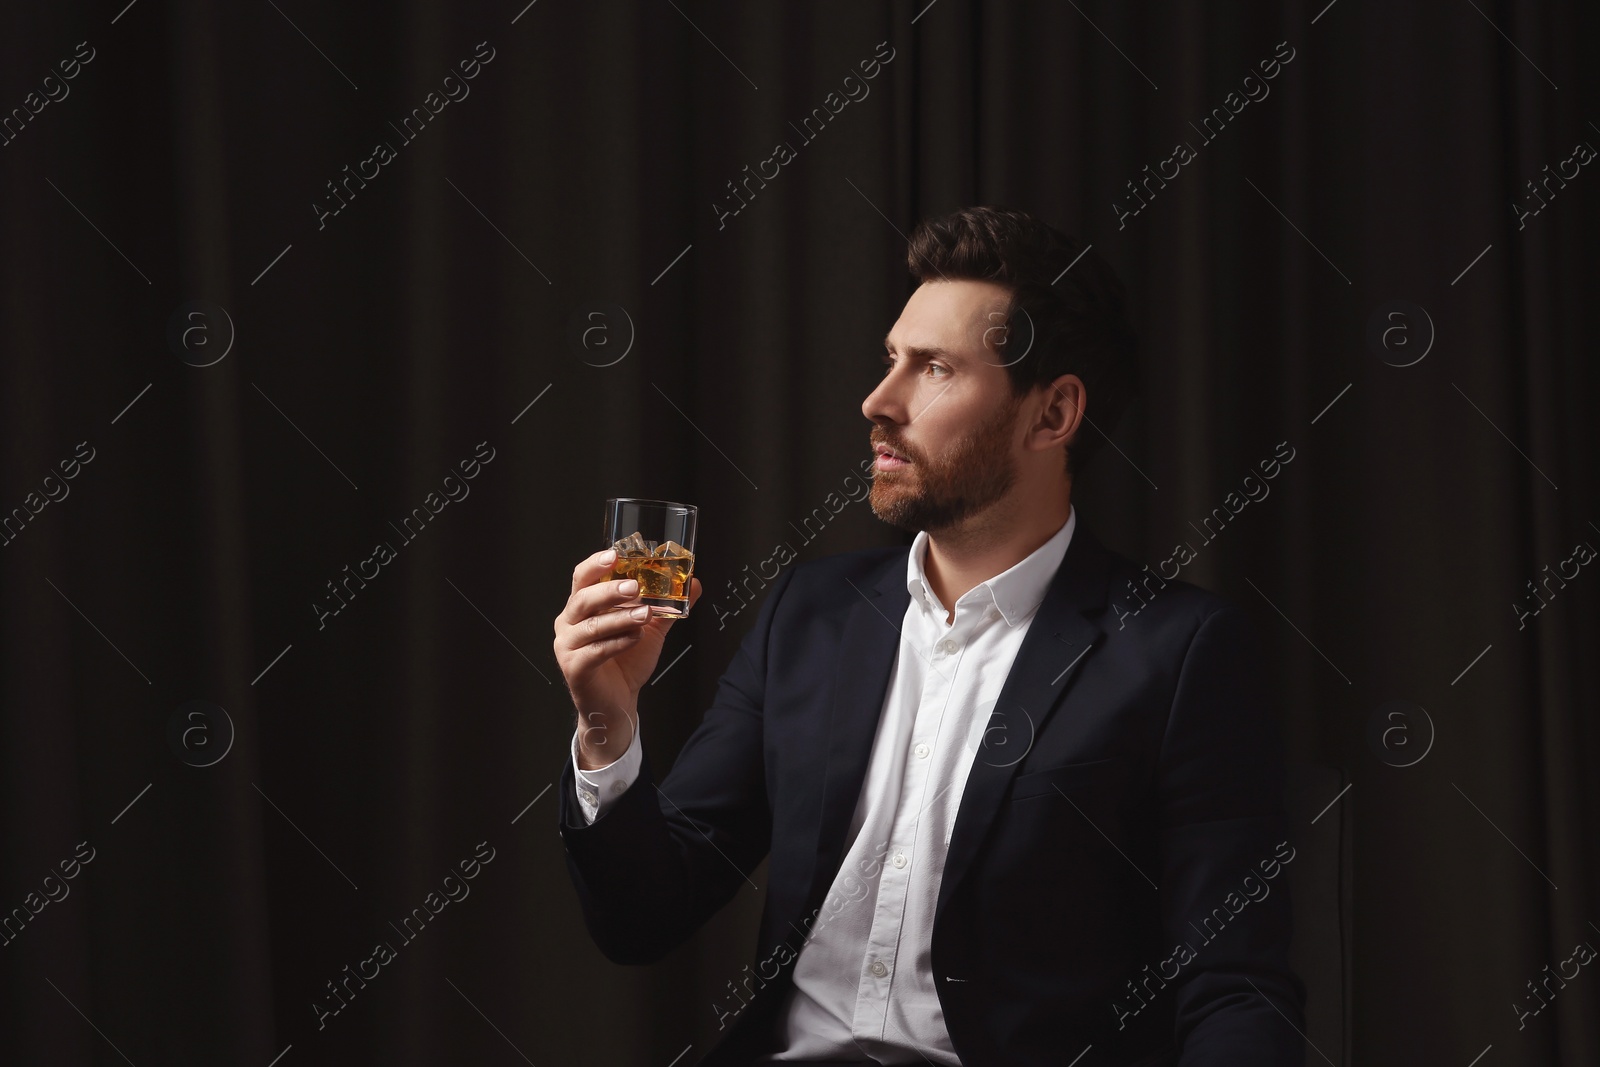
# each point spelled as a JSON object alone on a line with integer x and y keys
{"x": 899, "y": 859}
{"x": 921, "y": 751}
{"x": 585, "y": 794}
{"x": 878, "y": 969}
{"x": 947, "y": 646}
{"x": 618, "y": 787}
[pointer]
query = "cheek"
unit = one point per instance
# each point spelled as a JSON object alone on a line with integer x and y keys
{"x": 932, "y": 403}
{"x": 942, "y": 417}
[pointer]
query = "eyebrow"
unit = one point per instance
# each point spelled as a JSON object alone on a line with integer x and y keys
{"x": 922, "y": 353}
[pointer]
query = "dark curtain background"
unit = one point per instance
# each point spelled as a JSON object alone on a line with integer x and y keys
{"x": 164, "y": 206}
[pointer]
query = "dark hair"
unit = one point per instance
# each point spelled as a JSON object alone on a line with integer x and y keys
{"x": 1067, "y": 321}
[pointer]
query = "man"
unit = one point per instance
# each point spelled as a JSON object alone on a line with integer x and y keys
{"x": 1022, "y": 797}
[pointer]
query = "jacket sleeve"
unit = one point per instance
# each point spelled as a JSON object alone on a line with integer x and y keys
{"x": 1224, "y": 892}
{"x": 664, "y": 858}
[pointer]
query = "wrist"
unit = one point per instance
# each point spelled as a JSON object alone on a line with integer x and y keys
{"x": 602, "y": 740}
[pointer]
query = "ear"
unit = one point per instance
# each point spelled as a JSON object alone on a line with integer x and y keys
{"x": 1060, "y": 413}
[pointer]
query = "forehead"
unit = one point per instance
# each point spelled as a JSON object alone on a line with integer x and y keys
{"x": 952, "y": 315}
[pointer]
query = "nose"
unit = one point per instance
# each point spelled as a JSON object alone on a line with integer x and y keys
{"x": 884, "y": 403}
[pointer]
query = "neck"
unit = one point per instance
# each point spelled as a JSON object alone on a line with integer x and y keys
{"x": 963, "y": 557}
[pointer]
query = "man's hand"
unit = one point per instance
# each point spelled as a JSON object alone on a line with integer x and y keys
{"x": 607, "y": 645}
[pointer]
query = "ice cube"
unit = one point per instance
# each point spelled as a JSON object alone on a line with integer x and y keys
{"x": 671, "y": 549}
{"x": 632, "y": 545}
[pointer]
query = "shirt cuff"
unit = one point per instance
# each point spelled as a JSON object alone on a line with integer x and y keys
{"x": 600, "y": 787}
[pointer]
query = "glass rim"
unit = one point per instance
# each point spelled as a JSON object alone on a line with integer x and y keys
{"x": 649, "y": 502}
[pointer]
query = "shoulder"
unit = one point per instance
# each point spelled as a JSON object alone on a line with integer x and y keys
{"x": 839, "y": 577}
{"x": 859, "y": 562}
{"x": 1148, "y": 604}
{"x": 1187, "y": 646}
{"x": 788, "y": 589}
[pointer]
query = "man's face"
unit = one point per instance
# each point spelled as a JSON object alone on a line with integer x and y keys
{"x": 945, "y": 405}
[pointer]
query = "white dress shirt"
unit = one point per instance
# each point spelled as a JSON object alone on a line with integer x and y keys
{"x": 863, "y": 981}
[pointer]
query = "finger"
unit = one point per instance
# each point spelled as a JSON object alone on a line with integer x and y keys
{"x": 602, "y": 597}
{"x": 599, "y": 627}
{"x": 605, "y": 648}
{"x": 596, "y": 568}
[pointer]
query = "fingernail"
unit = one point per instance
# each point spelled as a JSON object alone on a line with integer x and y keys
{"x": 640, "y": 613}
{"x": 629, "y": 587}
{"x": 608, "y": 556}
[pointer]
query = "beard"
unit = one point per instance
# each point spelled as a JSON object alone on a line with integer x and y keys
{"x": 940, "y": 492}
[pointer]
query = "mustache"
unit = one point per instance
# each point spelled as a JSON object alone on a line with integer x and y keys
{"x": 893, "y": 446}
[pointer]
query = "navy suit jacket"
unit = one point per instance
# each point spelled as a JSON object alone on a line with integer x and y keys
{"x": 1115, "y": 877}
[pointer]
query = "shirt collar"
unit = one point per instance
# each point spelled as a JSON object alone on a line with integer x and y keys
{"x": 1015, "y": 591}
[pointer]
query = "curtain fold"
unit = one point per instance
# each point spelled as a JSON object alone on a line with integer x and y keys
{"x": 408, "y": 260}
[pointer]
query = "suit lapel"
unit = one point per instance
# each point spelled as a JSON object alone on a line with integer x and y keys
{"x": 1053, "y": 650}
{"x": 866, "y": 657}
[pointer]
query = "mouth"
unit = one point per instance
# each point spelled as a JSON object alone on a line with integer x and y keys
{"x": 888, "y": 459}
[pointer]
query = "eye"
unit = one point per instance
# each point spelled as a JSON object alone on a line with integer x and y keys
{"x": 888, "y": 364}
